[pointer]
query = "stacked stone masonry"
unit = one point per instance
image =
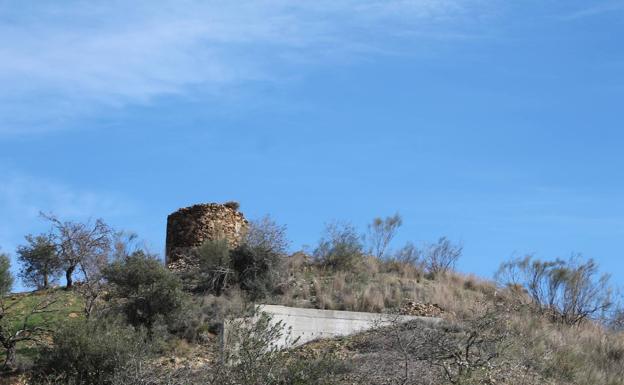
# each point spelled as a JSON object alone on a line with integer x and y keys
{"x": 190, "y": 227}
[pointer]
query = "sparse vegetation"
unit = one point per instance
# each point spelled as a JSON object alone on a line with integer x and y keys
{"x": 568, "y": 291}
{"x": 380, "y": 234}
{"x": 257, "y": 265}
{"x": 543, "y": 322}
{"x": 441, "y": 257}
{"x": 216, "y": 273}
{"x": 20, "y": 324}
{"x": 340, "y": 248}
{"x": 92, "y": 352}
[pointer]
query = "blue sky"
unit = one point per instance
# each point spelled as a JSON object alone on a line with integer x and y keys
{"x": 495, "y": 123}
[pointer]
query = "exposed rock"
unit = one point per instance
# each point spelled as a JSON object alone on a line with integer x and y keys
{"x": 421, "y": 309}
{"x": 189, "y": 227}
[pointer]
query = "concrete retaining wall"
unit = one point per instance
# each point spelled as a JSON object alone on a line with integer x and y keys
{"x": 312, "y": 324}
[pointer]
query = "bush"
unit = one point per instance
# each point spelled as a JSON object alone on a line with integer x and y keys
{"x": 340, "y": 248}
{"x": 569, "y": 291}
{"x": 6, "y": 277}
{"x": 266, "y": 234}
{"x": 441, "y": 257}
{"x": 250, "y": 356}
{"x": 257, "y": 265}
{"x": 214, "y": 259}
{"x": 146, "y": 289}
{"x": 203, "y": 317}
{"x": 91, "y": 352}
{"x": 232, "y": 205}
{"x": 381, "y": 232}
{"x": 259, "y": 270}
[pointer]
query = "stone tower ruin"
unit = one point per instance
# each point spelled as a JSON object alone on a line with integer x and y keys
{"x": 190, "y": 227}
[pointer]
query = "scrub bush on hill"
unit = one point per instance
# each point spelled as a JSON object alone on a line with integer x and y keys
{"x": 92, "y": 352}
{"x": 567, "y": 291}
{"x": 380, "y": 234}
{"x": 340, "y": 247}
{"x": 259, "y": 270}
{"x": 441, "y": 257}
{"x": 257, "y": 266}
{"x": 145, "y": 291}
{"x": 215, "y": 271}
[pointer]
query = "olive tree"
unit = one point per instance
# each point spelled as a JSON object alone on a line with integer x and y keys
{"x": 40, "y": 262}
{"x": 144, "y": 289}
{"x": 85, "y": 244}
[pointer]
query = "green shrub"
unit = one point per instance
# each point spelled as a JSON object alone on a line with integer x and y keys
{"x": 340, "y": 248}
{"x": 202, "y": 316}
{"x": 214, "y": 265}
{"x": 250, "y": 356}
{"x": 259, "y": 270}
{"x": 91, "y": 352}
{"x": 146, "y": 291}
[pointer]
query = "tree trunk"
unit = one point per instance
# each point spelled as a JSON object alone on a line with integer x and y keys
{"x": 45, "y": 280}
{"x": 68, "y": 276}
{"x": 11, "y": 356}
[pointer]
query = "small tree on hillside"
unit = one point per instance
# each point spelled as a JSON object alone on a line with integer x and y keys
{"x": 381, "y": 232}
{"x": 40, "y": 262}
{"x": 79, "y": 243}
{"x": 340, "y": 248}
{"x": 441, "y": 257}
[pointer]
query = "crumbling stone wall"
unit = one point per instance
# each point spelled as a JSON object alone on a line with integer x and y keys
{"x": 189, "y": 227}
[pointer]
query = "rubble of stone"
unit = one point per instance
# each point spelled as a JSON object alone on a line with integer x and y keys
{"x": 190, "y": 227}
{"x": 421, "y": 309}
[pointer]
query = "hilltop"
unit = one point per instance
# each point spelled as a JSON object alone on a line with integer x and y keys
{"x": 133, "y": 321}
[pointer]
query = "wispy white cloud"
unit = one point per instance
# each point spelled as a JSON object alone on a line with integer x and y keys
{"x": 59, "y": 61}
{"x": 595, "y": 10}
{"x": 23, "y": 197}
